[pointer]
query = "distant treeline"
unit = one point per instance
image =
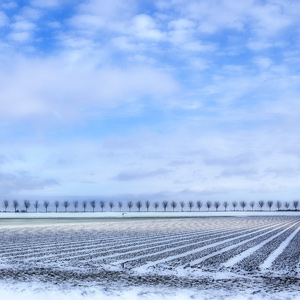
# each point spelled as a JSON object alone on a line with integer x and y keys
{"x": 121, "y": 206}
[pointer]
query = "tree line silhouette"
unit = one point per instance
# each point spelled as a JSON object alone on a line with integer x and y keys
{"x": 76, "y": 206}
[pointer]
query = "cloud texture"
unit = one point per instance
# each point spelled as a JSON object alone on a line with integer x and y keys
{"x": 181, "y": 98}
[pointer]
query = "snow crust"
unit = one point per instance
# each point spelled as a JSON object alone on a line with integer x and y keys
{"x": 246, "y": 253}
{"x": 24, "y": 292}
{"x": 209, "y": 288}
{"x": 268, "y": 262}
{"x": 41, "y": 215}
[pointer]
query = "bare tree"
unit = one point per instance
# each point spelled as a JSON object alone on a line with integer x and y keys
{"x": 243, "y": 204}
{"x": 252, "y": 204}
{"x": 261, "y": 204}
{"x": 165, "y": 205}
{"x": 120, "y": 204}
{"x": 84, "y": 205}
{"x": 173, "y": 205}
{"x": 111, "y": 205}
{"x": 270, "y": 204}
{"x": 66, "y": 205}
{"x": 147, "y": 203}
{"x": 182, "y": 205}
{"x": 46, "y": 205}
{"x": 5, "y": 205}
{"x": 129, "y": 205}
{"x": 102, "y": 205}
{"x": 286, "y": 205}
{"x": 36, "y": 205}
{"x": 278, "y": 205}
{"x": 216, "y": 205}
{"x": 191, "y": 204}
{"x": 199, "y": 205}
{"x": 75, "y": 204}
{"x": 234, "y": 205}
{"x": 208, "y": 205}
{"x": 26, "y": 204}
{"x": 225, "y": 204}
{"x": 139, "y": 205}
{"x": 93, "y": 205}
{"x": 296, "y": 204}
{"x": 56, "y": 204}
{"x": 15, "y": 205}
{"x": 156, "y": 205}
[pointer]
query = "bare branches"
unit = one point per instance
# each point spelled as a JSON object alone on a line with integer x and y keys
{"x": 46, "y": 205}
{"x": 173, "y": 204}
{"x": 93, "y": 205}
{"x": 36, "y": 205}
{"x": 165, "y": 205}
{"x": 15, "y": 204}
{"x": 66, "y": 205}
{"x": 139, "y": 205}
{"x": 191, "y": 204}
{"x": 26, "y": 204}
{"x": 216, "y": 205}
{"x": 208, "y": 205}
{"x": 129, "y": 205}
{"x": 56, "y": 204}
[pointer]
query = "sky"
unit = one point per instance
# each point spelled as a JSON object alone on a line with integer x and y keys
{"x": 176, "y": 99}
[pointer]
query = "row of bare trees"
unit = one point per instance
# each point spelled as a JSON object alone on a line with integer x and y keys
{"x": 92, "y": 205}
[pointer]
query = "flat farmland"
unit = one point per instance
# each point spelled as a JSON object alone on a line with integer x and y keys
{"x": 232, "y": 252}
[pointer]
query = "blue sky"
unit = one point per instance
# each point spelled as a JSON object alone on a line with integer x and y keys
{"x": 150, "y": 99}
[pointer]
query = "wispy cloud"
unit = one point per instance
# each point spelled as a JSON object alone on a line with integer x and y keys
{"x": 140, "y": 174}
{"x": 22, "y": 182}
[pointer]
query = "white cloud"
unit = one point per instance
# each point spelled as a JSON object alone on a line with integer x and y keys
{"x": 109, "y": 9}
{"x": 54, "y": 24}
{"x": 124, "y": 43}
{"x": 23, "y": 26}
{"x": 98, "y": 14}
{"x": 31, "y": 87}
{"x": 258, "y": 45}
{"x": 114, "y": 59}
{"x": 85, "y": 21}
{"x": 3, "y": 159}
{"x": 236, "y": 160}
{"x": 20, "y": 37}
{"x": 270, "y": 19}
{"x": 145, "y": 27}
{"x": 45, "y": 3}
{"x": 14, "y": 183}
{"x": 178, "y": 37}
{"x": 9, "y": 5}
{"x": 263, "y": 19}
{"x": 217, "y": 15}
{"x": 181, "y": 24}
{"x": 3, "y": 19}
{"x": 250, "y": 174}
{"x": 263, "y": 62}
{"x": 140, "y": 174}
{"x": 30, "y": 13}
{"x": 198, "y": 46}
{"x": 283, "y": 171}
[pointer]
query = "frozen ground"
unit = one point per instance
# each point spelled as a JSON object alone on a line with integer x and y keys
{"x": 196, "y": 258}
{"x": 41, "y": 292}
{"x": 143, "y": 214}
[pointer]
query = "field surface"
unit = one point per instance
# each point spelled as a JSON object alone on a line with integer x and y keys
{"x": 259, "y": 254}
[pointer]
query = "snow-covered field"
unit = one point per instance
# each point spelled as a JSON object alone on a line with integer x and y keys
{"x": 143, "y": 214}
{"x": 186, "y": 258}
